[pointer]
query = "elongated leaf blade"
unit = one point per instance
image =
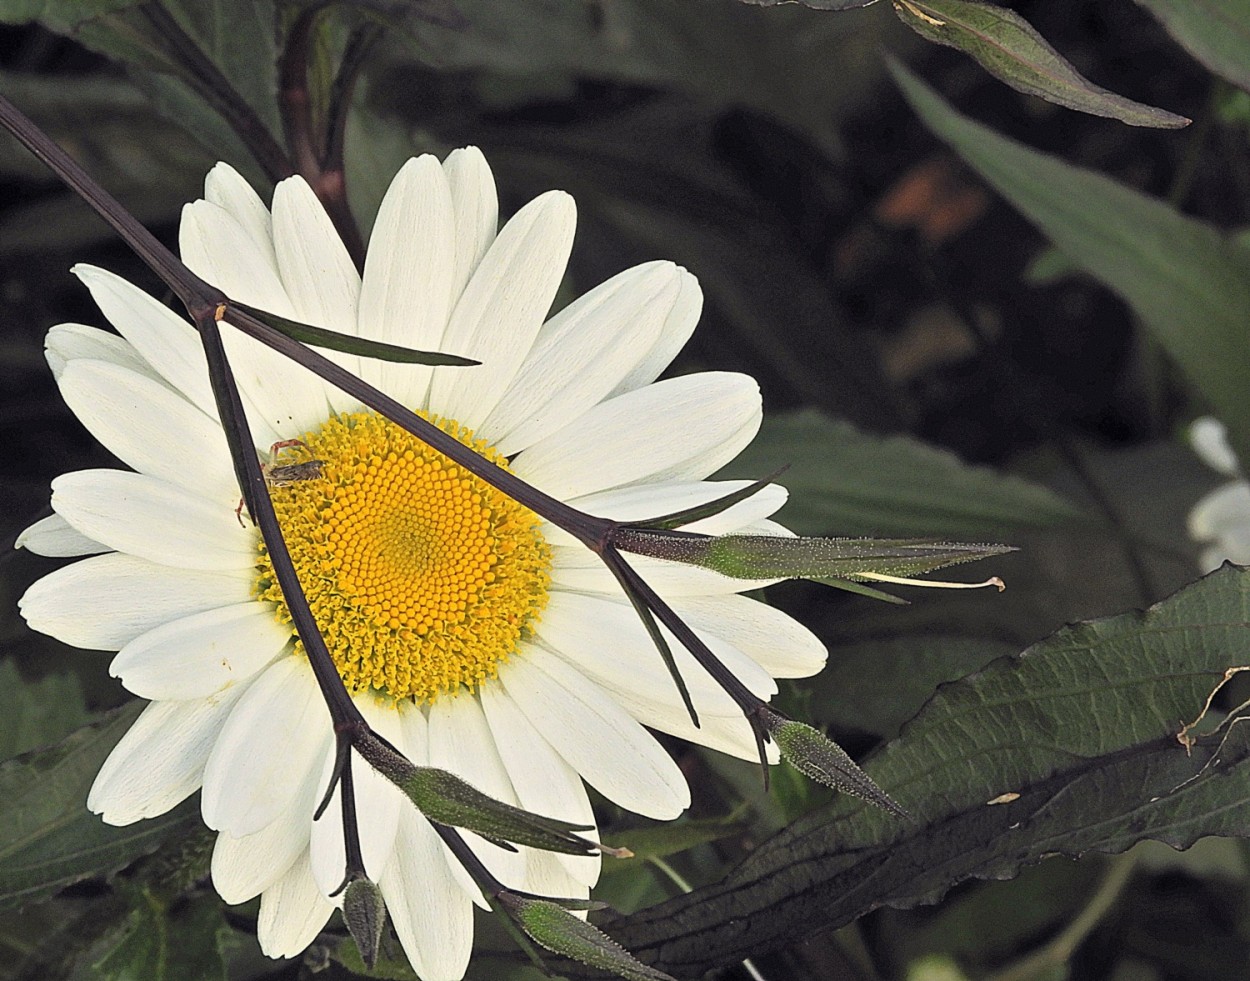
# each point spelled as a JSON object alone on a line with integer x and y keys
{"x": 1189, "y": 284}
{"x": 48, "y": 838}
{"x": 1216, "y": 32}
{"x": 846, "y": 482}
{"x": 1008, "y": 47}
{"x": 1068, "y": 748}
{"x": 363, "y": 346}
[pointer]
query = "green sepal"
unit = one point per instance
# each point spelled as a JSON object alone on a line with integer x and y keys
{"x": 815, "y": 755}
{"x": 447, "y": 799}
{"x": 559, "y": 931}
{"x": 364, "y": 912}
{"x": 362, "y": 346}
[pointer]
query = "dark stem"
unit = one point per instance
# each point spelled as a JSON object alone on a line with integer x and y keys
{"x": 294, "y": 99}
{"x": 354, "y": 861}
{"x": 215, "y": 89}
{"x": 318, "y": 149}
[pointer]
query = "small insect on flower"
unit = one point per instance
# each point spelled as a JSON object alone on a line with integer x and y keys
{"x": 281, "y": 474}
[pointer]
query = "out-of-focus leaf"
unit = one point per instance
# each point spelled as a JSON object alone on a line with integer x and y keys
{"x": 1069, "y": 748}
{"x": 662, "y": 840}
{"x": 160, "y": 944}
{"x": 1216, "y": 32}
{"x": 1189, "y": 284}
{"x": 1008, "y": 47}
{"x": 59, "y": 15}
{"x": 236, "y": 38}
{"x": 151, "y": 165}
{"x": 36, "y": 713}
{"x": 815, "y": 4}
{"x": 774, "y": 61}
{"x": 48, "y": 838}
{"x": 845, "y": 482}
{"x": 874, "y": 686}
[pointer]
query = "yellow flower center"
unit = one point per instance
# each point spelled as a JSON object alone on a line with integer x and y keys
{"x": 421, "y": 576}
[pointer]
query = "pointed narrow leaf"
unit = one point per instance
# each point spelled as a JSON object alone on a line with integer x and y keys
{"x": 776, "y": 557}
{"x": 1008, "y": 47}
{"x": 1189, "y": 284}
{"x": 320, "y": 337}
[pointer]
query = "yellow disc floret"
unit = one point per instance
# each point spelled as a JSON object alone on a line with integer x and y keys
{"x": 421, "y": 576}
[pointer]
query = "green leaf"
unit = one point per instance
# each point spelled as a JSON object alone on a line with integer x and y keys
{"x": 1189, "y": 284}
{"x": 846, "y": 482}
{"x": 1216, "y": 32}
{"x": 1008, "y": 47}
{"x": 48, "y": 838}
{"x": 39, "y": 712}
{"x": 662, "y": 840}
{"x": 59, "y": 15}
{"x": 320, "y": 337}
{"x": 160, "y": 944}
{"x": 1068, "y": 748}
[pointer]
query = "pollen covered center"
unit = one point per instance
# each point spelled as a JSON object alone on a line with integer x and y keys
{"x": 421, "y": 576}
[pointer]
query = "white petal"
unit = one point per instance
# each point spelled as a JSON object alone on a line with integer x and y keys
{"x": 69, "y": 342}
{"x": 776, "y": 641}
{"x": 202, "y": 654}
{"x": 544, "y": 783}
{"x": 150, "y": 428}
{"x": 317, "y": 273}
{"x": 225, "y": 187}
{"x": 611, "y": 751}
{"x": 277, "y": 733}
{"x": 245, "y": 867}
{"x": 1209, "y": 438}
{"x": 285, "y": 398}
{"x": 407, "y": 293}
{"x": 165, "y": 340}
{"x": 159, "y": 762}
{"x": 378, "y": 803}
{"x": 644, "y": 501}
{"x": 216, "y": 247}
{"x": 461, "y": 742}
{"x": 104, "y": 602}
{"x": 678, "y": 326}
{"x": 415, "y": 745}
{"x": 292, "y": 912}
{"x": 476, "y": 208}
{"x": 431, "y": 914}
{"x": 680, "y": 429}
{"x": 153, "y": 519}
{"x": 502, "y": 308}
{"x": 546, "y": 875}
{"x": 606, "y": 641}
{"x": 581, "y": 354}
{"x": 55, "y": 537}
{"x": 1221, "y": 512}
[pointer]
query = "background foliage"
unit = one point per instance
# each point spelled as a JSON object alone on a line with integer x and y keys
{"x": 956, "y": 335}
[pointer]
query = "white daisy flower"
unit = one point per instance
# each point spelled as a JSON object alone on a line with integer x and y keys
{"x": 473, "y": 635}
{"x": 1221, "y": 519}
